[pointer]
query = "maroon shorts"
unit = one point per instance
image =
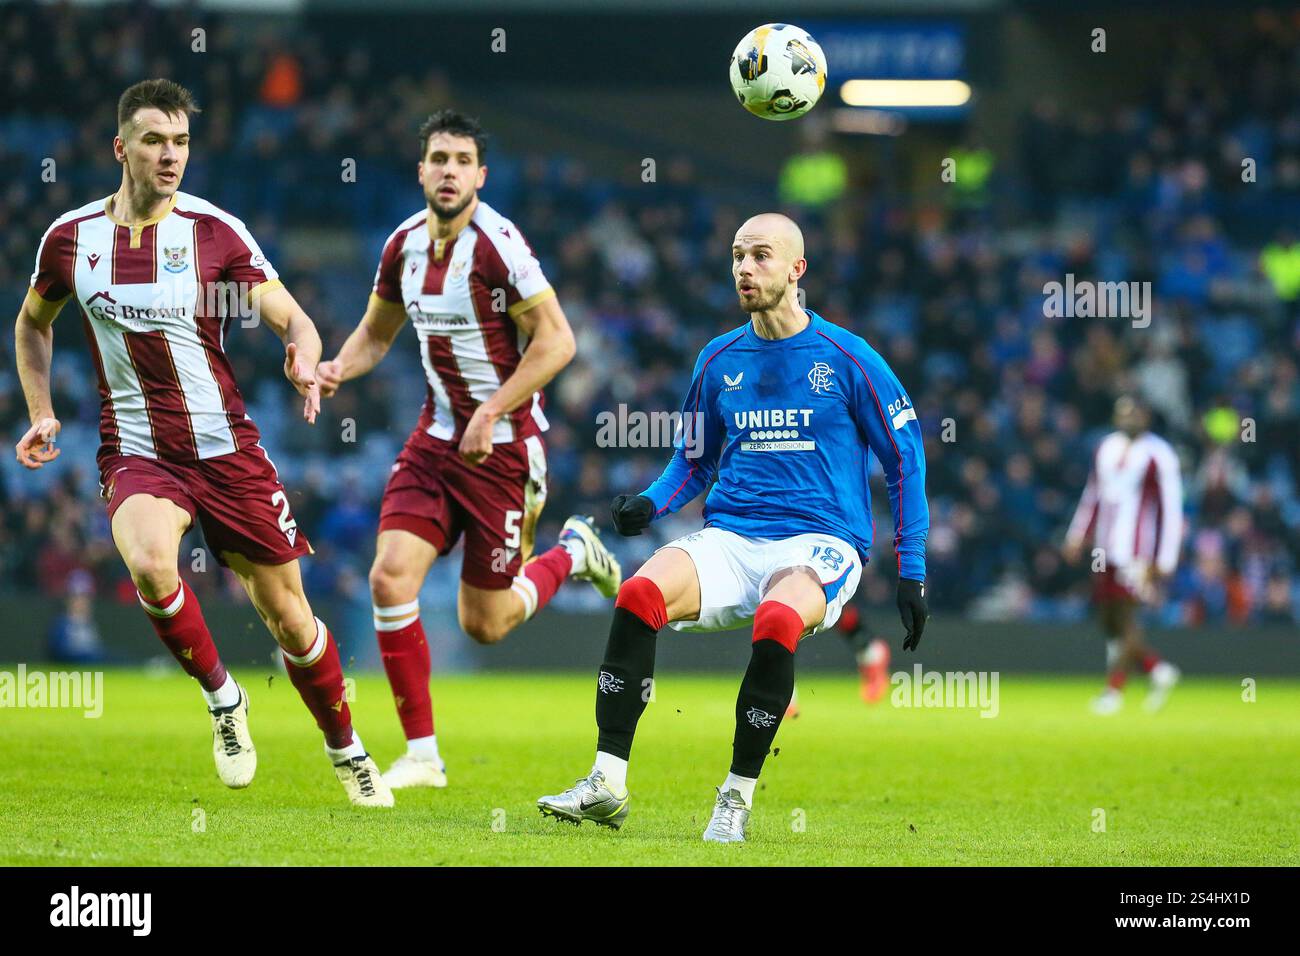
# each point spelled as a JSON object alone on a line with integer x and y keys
{"x": 432, "y": 492}
{"x": 1116, "y": 586}
{"x": 237, "y": 498}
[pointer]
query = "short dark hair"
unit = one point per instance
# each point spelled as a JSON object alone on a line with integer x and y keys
{"x": 458, "y": 124}
{"x": 166, "y": 95}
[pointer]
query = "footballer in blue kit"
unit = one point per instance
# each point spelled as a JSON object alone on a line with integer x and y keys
{"x": 779, "y": 418}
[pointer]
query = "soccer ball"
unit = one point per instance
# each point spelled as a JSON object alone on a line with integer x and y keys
{"x": 778, "y": 71}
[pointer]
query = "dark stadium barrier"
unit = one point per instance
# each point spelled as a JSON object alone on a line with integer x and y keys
{"x": 558, "y": 641}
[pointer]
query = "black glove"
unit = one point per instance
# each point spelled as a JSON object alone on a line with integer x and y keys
{"x": 914, "y": 610}
{"x": 632, "y": 514}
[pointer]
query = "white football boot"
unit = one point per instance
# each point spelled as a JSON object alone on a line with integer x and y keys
{"x": 1163, "y": 678}
{"x": 232, "y": 747}
{"x": 1108, "y": 702}
{"x": 411, "y": 771}
{"x": 363, "y": 782}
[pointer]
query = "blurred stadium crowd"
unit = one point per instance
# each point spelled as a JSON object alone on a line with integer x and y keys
{"x": 950, "y": 292}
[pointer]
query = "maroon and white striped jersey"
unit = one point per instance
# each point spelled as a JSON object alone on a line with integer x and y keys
{"x": 462, "y": 296}
{"x": 1133, "y": 503}
{"x": 154, "y": 302}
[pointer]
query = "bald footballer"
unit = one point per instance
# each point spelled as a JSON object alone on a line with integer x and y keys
{"x": 780, "y": 417}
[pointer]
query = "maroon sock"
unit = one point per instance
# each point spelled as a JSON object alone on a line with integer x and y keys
{"x": 1149, "y": 662}
{"x": 320, "y": 684}
{"x": 406, "y": 662}
{"x": 1117, "y": 678}
{"x": 178, "y": 620}
{"x": 546, "y": 573}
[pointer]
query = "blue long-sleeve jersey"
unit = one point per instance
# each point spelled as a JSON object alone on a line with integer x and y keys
{"x": 784, "y": 427}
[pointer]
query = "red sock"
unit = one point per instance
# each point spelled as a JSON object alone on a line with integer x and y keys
{"x": 318, "y": 675}
{"x": 642, "y": 597}
{"x": 778, "y": 622}
{"x": 1149, "y": 662}
{"x": 850, "y": 620}
{"x": 1117, "y": 678}
{"x": 406, "y": 662}
{"x": 178, "y": 619}
{"x": 541, "y": 578}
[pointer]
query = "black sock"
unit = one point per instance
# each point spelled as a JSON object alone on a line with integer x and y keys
{"x": 623, "y": 686}
{"x": 764, "y": 695}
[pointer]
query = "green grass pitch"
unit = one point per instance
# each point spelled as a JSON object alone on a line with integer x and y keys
{"x": 1211, "y": 780}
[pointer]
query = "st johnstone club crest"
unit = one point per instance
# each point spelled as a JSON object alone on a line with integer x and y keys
{"x": 176, "y": 258}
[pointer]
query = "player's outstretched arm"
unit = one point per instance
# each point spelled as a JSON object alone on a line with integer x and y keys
{"x": 365, "y": 347}
{"x": 285, "y": 317}
{"x": 550, "y": 348}
{"x": 34, "y": 348}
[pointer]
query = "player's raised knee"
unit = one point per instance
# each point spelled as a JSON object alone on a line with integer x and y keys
{"x": 484, "y": 630}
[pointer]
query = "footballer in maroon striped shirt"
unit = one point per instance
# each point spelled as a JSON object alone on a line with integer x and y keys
{"x": 491, "y": 335}
{"x": 157, "y": 276}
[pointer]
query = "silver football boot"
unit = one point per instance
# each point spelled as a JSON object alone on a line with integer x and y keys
{"x": 588, "y": 799}
{"x": 730, "y": 819}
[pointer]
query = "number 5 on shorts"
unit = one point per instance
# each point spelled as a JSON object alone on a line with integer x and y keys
{"x": 512, "y": 528}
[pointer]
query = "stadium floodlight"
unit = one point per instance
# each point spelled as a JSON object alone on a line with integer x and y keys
{"x": 905, "y": 93}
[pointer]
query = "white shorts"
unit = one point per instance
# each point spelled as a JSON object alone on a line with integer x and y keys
{"x": 734, "y": 572}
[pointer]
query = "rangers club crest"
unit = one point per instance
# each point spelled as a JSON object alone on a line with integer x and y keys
{"x": 607, "y": 683}
{"x": 176, "y": 258}
{"x": 819, "y": 377}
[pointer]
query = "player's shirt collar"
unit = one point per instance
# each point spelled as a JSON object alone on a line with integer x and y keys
{"x": 753, "y": 338}
{"x": 138, "y": 228}
{"x": 108, "y": 211}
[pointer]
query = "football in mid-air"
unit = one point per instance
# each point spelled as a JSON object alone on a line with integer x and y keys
{"x": 778, "y": 71}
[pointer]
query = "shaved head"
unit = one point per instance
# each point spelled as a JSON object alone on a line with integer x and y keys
{"x": 767, "y": 262}
{"x": 782, "y": 231}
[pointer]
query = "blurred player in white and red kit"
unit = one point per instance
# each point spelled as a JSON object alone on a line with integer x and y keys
{"x": 150, "y": 269}
{"x": 491, "y": 335}
{"x": 1132, "y": 510}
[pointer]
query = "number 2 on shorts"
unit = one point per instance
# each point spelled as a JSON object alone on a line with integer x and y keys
{"x": 287, "y": 523}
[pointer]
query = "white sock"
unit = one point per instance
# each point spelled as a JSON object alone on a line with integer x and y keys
{"x": 1112, "y": 654}
{"x": 577, "y": 551}
{"x": 227, "y": 695}
{"x": 424, "y": 748}
{"x": 353, "y": 749}
{"x": 614, "y": 769}
{"x": 526, "y": 591}
{"x": 745, "y": 785}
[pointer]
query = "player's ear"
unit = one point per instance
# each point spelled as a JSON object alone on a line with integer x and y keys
{"x": 119, "y": 149}
{"x": 419, "y": 172}
{"x": 482, "y": 177}
{"x": 797, "y": 269}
